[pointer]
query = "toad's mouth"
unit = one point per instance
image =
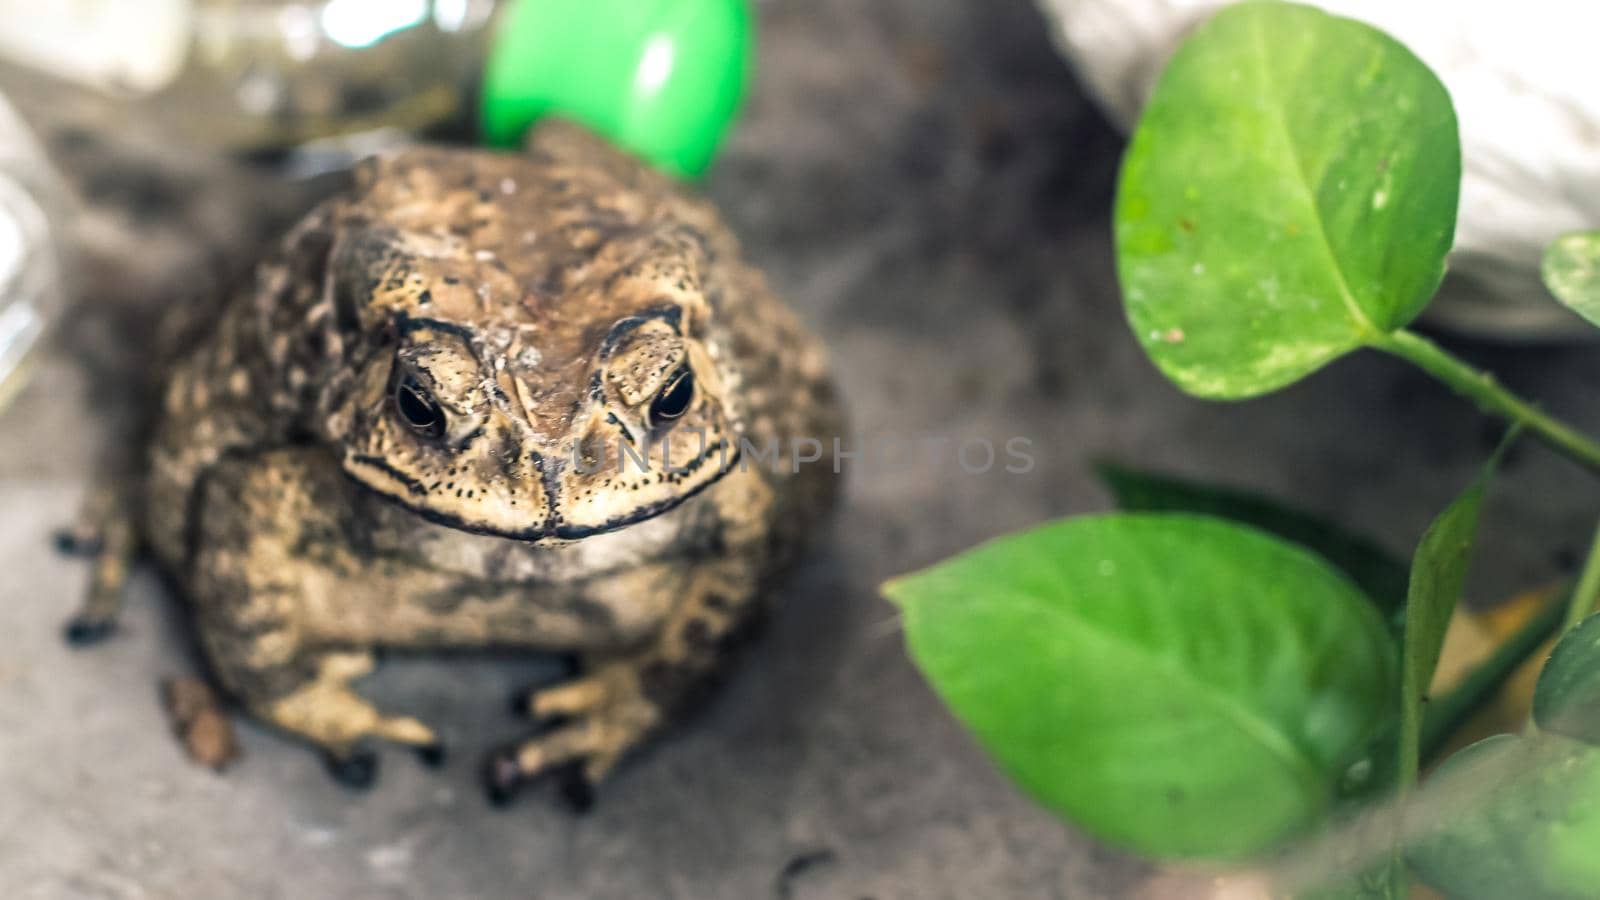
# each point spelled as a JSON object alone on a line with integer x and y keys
{"x": 375, "y": 475}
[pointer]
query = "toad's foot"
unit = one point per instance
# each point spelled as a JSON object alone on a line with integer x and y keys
{"x": 328, "y": 713}
{"x": 105, "y": 534}
{"x": 598, "y": 719}
{"x": 623, "y": 700}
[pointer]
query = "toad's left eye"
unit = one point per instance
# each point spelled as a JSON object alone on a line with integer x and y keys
{"x": 674, "y": 399}
{"x": 417, "y": 408}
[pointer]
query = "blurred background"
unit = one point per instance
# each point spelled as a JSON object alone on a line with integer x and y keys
{"x": 927, "y": 181}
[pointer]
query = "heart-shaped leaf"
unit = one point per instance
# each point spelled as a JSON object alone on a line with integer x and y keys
{"x": 1289, "y": 195}
{"x": 1179, "y": 685}
{"x": 1526, "y": 822}
{"x": 1567, "y": 698}
{"x": 1572, "y": 272}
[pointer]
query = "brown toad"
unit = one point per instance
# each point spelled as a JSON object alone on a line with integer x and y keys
{"x": 479, "y": 401}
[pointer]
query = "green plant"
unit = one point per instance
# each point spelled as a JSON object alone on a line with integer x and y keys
{"x": 1188, "y": 686}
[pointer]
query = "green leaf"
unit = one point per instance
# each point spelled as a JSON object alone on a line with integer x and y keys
{"x": 1526, "y": 822}
{"x": 1567, "y": 698}
{"x": 1289, "y": 194}
{"x": 1572, "y": 272}
{"x": 1175, "y": 684}
{"x": 1438, "y": 573}
{"x": 1376, "y": 571}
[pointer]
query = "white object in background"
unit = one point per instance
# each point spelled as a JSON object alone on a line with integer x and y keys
{"x": 259, "y": 73}
{"x": 112, "y": 44}
{"x": 31, "y": 293}
{"x": 1525, "y": 79}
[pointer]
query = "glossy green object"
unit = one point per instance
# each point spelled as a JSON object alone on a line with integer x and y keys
{"x": 662, "y": 78}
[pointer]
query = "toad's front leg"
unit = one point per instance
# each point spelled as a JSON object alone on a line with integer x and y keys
{"x": 251, "y": 578}
{"x": 624, "y": 698}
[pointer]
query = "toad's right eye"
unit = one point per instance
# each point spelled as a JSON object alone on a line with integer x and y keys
{"x": 417, "y": 408}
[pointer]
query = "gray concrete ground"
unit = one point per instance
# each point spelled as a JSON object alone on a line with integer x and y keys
{"x": 925, "y": 181}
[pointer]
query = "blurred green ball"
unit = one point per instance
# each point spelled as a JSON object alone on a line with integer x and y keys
{"x": 662, "y": 78}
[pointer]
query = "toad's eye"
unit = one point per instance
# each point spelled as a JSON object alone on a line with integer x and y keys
{"x": 417, "y": 408}
{"x": 674, "y": 399}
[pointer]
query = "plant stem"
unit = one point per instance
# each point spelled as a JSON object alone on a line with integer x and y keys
{"x": 1481, "y": 388}
{"x": 1587, "y": 589}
